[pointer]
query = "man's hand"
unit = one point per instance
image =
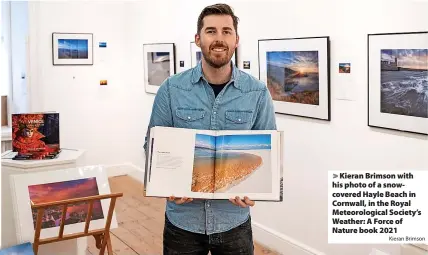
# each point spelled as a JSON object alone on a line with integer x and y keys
{"x": 242, "y": 203}
{"x": 180, "y": 201}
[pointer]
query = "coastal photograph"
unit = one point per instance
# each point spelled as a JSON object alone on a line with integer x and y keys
{"x": 158, "y": 66}
{"x": 243, "y": 164}
{"x": 73, "y": 49}
{"x": 293, "y": 76}
{"x": 203, "y": 164}
{"x": 404, "y": 82}
{"x": 76, "y": 213}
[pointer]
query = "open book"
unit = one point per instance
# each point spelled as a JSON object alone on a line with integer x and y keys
{"x": 211, "y": 164}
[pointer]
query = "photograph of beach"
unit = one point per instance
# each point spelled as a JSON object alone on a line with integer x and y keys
{"x": 243, "y": 164}
{"x": 203, "y": 164}
{"x": 73, "y": 49}
{"x": 293, "y": 76}
{"x": 19, "y": 249}
{"x": 404, "y": 82}
{"x": 76, "y": 213}
{"x": 344, "y": 67}
{"x": 158, "y": 66}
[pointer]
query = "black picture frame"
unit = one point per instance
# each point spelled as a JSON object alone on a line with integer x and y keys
{"x": 397, "y": 101}
{"x": 282, "y": 78}
{"x": 162, "y": 55}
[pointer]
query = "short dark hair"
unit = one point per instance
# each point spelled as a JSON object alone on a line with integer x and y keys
{"x": 217, "y": 9}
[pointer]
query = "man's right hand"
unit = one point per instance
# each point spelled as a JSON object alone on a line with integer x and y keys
{"x": 179, "y": 201}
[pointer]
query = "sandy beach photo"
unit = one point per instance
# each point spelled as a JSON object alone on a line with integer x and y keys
{"x": 203, "y": 164}
{"x": 243, "y": 164}
{"x": 404, "y": 82}
{"x": 293, "y": 76}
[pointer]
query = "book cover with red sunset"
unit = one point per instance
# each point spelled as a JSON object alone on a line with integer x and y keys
{"x": 35, "y": 135}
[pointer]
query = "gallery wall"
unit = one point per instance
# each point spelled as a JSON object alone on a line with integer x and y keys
{"x": 312, "y": 147}
{"x": 105, "y": 120}
{"x": 110, "y": 121}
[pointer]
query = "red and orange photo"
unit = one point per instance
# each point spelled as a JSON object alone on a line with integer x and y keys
{"x": 76, "y": 213}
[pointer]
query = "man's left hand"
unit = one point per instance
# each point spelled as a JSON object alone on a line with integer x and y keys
{"x": 242, "y": 203}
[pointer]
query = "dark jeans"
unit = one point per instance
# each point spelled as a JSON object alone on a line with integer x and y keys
{"x": 235, "y": 241}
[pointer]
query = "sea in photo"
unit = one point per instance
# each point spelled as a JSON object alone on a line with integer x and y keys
{"x": 73, "y": 49}
{"x": 19, "y": 249}
{"x": 76, "y": 213}
{"x": 158, "y": 66}
{"x": 293, "y": 76}
{"x": 404, "y": 82}
{"x": 243, "y": 164}
{"x": 203, "y": 164}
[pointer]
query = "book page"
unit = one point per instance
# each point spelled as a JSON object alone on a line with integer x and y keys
{"x": 247, "y": 164}
{"x": 182, "y": 164}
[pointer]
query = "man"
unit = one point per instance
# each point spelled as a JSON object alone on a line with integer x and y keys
{"x": 214, "y": 95}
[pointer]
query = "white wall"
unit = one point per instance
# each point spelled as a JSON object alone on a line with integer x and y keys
{"x": 107, "y": 121}
{"x": 119, "y": 112}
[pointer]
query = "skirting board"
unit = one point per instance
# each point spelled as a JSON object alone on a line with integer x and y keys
{"x": 279, "y": 242}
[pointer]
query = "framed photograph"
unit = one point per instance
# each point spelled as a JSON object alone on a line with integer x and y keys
{"x": 72, "y": 49}
{"x": 398, "y": 81}
{"x": 49, "y": 186}
{"x": 297, "y": 74}
{"x": 196, "y": 55}
{"x": 159, "y": 64}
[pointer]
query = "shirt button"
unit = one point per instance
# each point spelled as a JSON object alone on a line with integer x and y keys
{"x": 215, "y": 112}
{"x": 239, "y": 119}
{"x": 189, "y": 117}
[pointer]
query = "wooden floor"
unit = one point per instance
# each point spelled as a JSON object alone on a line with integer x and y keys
{"x": 140, "y": 221}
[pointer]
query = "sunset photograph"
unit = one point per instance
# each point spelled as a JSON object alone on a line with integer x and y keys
{"x": 404, "y": 82}
{"x": 44, "y": 193}
{"x": 293, "y": 76}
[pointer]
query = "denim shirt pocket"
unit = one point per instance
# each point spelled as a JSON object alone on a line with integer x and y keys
{"x": 239, "y": 119}
{"x": 189, "y": 118}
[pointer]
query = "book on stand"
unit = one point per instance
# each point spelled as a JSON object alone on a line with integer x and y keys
{"x": 210, "y": 164}
{"x": 35, "y": 136}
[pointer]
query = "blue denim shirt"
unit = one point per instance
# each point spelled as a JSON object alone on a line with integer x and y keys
{"x": 186, "y": 100}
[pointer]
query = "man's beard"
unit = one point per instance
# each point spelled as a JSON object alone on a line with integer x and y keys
{"x": 217, "y": 62}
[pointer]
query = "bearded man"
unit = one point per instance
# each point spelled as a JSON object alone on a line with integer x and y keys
{"x": 214, "y": 95}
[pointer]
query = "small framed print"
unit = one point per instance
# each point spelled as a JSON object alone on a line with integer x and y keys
{"x": 72, "y": 48}
{"x": 159, "y": 64}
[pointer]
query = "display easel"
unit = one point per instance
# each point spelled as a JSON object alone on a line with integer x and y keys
{"x": 102, "y": 236}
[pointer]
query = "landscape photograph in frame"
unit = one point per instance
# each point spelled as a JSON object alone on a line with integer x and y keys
{"x": 296, "y": 73}
{"x": 159, "y": 64}
{"x": 72, "y": 48}
{"x": 196, "y": 55}
{"x": 56, "y": 185}
{"x": 398, "y": 81}
{"x": 76, "y": 213}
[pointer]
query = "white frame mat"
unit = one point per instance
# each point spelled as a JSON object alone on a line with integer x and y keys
{"x": 22, "y": 204}
{"x": 157, "y": 47}
{"x": 85, "y": 36}
{"x": 322, "y": 45}
{"x": 376, "y": 42}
